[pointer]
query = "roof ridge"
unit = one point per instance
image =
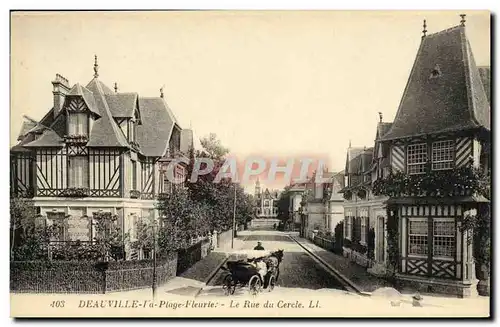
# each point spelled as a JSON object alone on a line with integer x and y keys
{"x": 443, "y": 31}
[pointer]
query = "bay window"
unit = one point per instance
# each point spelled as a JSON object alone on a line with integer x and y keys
{"x": 442, "y": 237}
{"x": 443, "y": 241}
{"x": 417, "y": 236}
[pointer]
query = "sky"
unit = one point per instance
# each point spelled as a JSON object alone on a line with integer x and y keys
{"x": 275, "y": 83}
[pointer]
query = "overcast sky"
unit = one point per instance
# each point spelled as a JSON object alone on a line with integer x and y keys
{"x": 271, "y": 83}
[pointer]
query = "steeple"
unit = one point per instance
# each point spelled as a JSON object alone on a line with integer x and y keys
{"x": 96, "y": 67}
{"x": 257, "y": 187}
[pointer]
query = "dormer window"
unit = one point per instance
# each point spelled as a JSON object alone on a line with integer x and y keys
{"x": 436, "y": 72}
{"x": 78, "y": 124}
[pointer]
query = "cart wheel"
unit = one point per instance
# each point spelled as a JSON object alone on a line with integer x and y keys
{"x": 254, "y": 285}
{"x": 228, "y": 285}
{"x": 271, "y": 283}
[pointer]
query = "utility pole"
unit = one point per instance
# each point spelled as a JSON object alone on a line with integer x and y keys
{"x": 234, "y": 218}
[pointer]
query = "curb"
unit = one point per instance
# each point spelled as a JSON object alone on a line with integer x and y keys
{"x": 212, "y": 275}
{"x": 337, "y": 274}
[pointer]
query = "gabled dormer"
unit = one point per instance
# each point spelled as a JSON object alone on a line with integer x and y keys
{"x": 80, "y": 111}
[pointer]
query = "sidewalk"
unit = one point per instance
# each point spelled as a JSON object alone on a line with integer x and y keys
{"x": 190, "y": 282}
{"x": 358, "y": 275}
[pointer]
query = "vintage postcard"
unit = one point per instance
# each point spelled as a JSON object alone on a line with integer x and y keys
{"x": 250, "y": 164}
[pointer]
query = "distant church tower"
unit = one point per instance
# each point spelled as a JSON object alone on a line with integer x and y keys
{"x": 257, "y": 187}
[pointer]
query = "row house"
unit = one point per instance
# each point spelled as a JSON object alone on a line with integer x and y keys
{"x": 95, "y": 150}
{"x": 322, "y": 204}
{"x": 424, "y": 165}
{"x": 364, "y": 212}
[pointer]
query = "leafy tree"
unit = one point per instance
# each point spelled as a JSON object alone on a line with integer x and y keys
{"x": 284, "y": 206}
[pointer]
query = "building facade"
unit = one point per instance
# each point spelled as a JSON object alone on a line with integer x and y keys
{"x": 425, "y": 176}
{"x": 266, "y": 202}
{"x": 97, "y": 150}
{"x": 322, "y": 204}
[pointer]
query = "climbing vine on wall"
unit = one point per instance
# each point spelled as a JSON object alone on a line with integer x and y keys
{"x": 392, "y": 239}
{"x": 481, "y": 235}
{"x": 456, "y": 182}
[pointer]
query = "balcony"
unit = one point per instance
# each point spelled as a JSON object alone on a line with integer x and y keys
{"x": 75, "y": 192}
{"x": 76, "y": 139}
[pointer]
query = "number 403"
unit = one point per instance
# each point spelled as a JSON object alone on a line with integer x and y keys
{"x": 57, "y": 304}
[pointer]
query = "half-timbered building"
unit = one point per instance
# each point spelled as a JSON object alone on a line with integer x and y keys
{"x": 439, "y": 138}
{"x": 97, "y": 149}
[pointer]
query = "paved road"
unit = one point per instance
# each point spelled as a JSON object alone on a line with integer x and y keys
{"x": 298, "y": 269}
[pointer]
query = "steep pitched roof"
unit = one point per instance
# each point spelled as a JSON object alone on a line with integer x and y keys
{"x": 485, "y": 74}
{"x": 28, "y": 124}
{"x": 157, "y": 125}
{"x": 186, "y": 140}
{"x": 444, "y": 91}
{"x": 105, "y": 132}
{"x": 122, "y": 104}
{"x": 86, "y": 94}
{"x": 49, "y": 138}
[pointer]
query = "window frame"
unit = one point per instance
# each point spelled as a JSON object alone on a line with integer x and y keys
{"x": 425, "y": 237}
{"x": 451, "y": 153}
{"x": 84, "y": 182}
{"x": 415, "y": 164}
{"x": 77, "y": 119}
{"x": 452, "y": 236}
{"x": 59, "y": 217}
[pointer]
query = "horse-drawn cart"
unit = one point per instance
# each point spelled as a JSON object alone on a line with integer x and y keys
{"x": 256, "y": 270}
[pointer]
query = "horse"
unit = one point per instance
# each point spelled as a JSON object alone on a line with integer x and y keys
{"x": 273, "y": 262}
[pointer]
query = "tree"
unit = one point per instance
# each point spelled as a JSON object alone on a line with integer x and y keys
{"x": 29, "y": 239}
{"x": 284, "y": 206}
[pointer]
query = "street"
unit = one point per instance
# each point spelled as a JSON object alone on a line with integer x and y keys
{"x": 298, "y": 269}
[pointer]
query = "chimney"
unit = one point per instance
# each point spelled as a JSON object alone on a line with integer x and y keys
{"x": 61, "y": 88}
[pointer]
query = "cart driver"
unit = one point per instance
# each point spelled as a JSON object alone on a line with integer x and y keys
{"x": 259, "y": 246}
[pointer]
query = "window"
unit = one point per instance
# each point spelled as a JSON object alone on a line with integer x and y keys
{"x": 134, "y": 175}
{"x": 78, "y": 124}
{"x": 417, "y": 236}
{"x": 348, "y": 226}
{"x": 443, "y": 242}
{"x": 417, "y": 158}
{"x": 57, "y": 220}
{"x": 363, "y": 229}
{"x": 78, "y": 172}
{"x": 442, "y": 155}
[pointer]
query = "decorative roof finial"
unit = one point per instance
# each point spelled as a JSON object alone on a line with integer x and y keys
{"x": 380, "y": 116}
{"x": 349, "y": 143}
{"x": 161, "y": 91}
{"x": 116, "y": 87}
{"x": 424, "y": 31}
{"x": 96, "y": 67}
{"x": 462, "y": 21}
